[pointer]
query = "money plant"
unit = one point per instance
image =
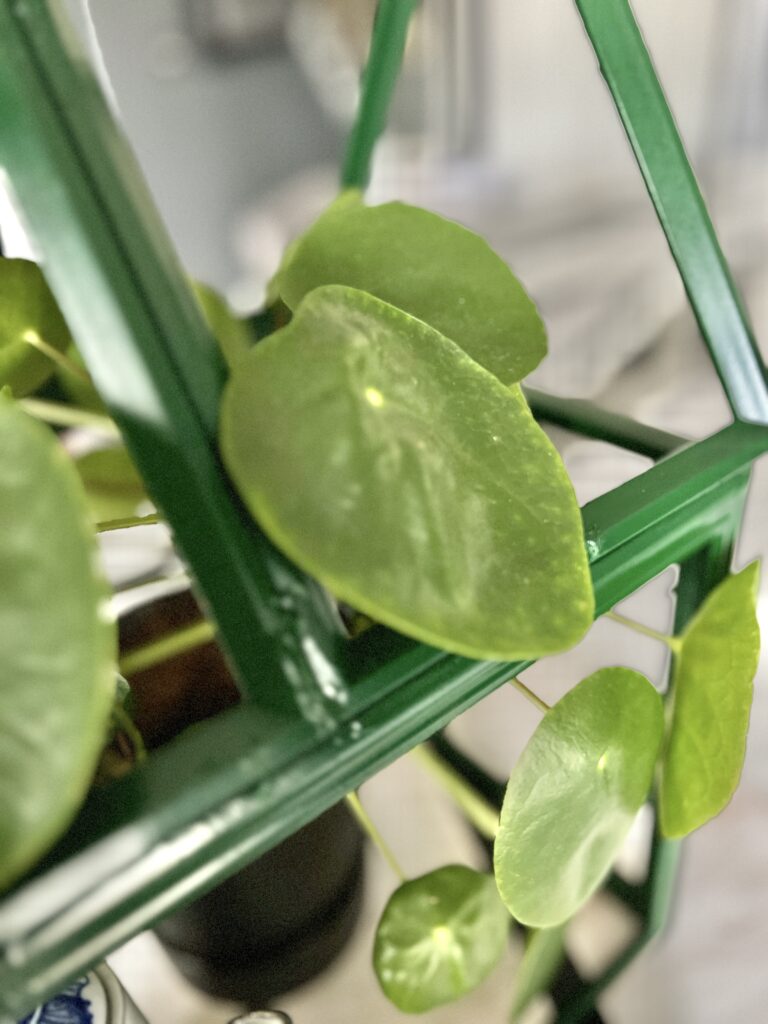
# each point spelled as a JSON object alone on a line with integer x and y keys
{"x": 381, "y": 439}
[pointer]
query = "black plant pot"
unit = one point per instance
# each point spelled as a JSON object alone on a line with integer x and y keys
{"x": 283, "y": 919}
{"x": 277, "y": 923}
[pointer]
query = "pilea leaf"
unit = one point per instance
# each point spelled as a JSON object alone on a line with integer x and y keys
{"x": 711, "y": 700}
{"x": 544, "y": 953}
{"x": 274, "y": 291}
{"x": 429, "y": 267}
{"x": 439, "y": 937}
{"x": 27, "y": 307}
{"x": 57, "y": 645}
{"x": 233, "y": 334}
{"x": 112, "y": 484}
{"x": 574, "y": 793}
{"x": 400, "y": 473}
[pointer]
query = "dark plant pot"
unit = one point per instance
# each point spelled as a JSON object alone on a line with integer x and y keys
{"x": 277, "y": 923}
{"x": 283, "y": 919}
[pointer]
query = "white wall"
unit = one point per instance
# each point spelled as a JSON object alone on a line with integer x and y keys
{"x": 550, "y": 112}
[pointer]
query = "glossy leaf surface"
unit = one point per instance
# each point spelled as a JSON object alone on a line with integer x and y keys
{"x": 439, "y": 937}
{"x": 712, "y": 697}
{"x": 112, "y": 484}
{"x": 429, "y": 267}
{"x": 57, "y": 645}
{"x": 27, "y": 306}
{"x": 544, "y": 952}
{"x": 389, "y": 465}
{"x": 574, "y": 793}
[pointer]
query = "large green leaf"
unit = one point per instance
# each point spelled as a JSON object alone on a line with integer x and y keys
{"x": 112, "y": 483}
{"x": 430, "y": 267}
{"x": 574, "y": 793}
{"x": 385, "y": 462}
{"x": 544, "y": 952}
{"x": 438, "y": 938}
{"x": 27, "y": 308}
{"x": 711, "y": 700}
{"x": 57, "y": 643}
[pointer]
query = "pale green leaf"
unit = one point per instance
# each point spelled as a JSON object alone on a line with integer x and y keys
{"x": 349, "y": 197}
{"x": 57, "y": 643}
{"x": 429, "y": 267}
{"x": 574, "y": 794}
{"x": 544, "y": 952}
{"x": 400, "y": 473}
{"x": 27, "y": 309}
{"x": 711, "y": 701}
{"x": 439, "y": 937}
{"x": 112, "y": 484}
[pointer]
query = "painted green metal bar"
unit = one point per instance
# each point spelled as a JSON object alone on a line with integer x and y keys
{"x": 152, "y": 357}
{"x": 612, "y": 520}
{"x": 222, "y": 794}
{"x": 390, "y": 31}
{"x": 627, "y": 68}
{"x": 590, "y": 420}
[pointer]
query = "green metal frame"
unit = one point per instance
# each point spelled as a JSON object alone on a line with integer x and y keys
{"x": 322, "y": 713}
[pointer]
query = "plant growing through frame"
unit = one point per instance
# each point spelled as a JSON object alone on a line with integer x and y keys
{"x": 396, "y": 427}
{"x": 440, "y": 418}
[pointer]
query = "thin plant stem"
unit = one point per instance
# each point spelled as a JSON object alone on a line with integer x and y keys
{"x": 61, "y": 415}
{"x": 390, "y": 31}
{"x": 529, "y": 695}
{"x": 128, "y": 521}
{"x": 673, "y": 642}
{"x": 31, "y": 337}
{"x": 168, "y": 646}
{"x": 367, "y": 825}
{"x": 482, "y": 814}
{"x": 147, "y": 581}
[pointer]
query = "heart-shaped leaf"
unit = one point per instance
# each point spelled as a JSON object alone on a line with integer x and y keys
{"x": 711, "y": 700}
{"x": 544, "y": 952}
{"x": 574, "y": 793}
{"x": 112, "y": 484}
{"x": 57, "y": 644}
{"x": 400, "y": 473}
{"x": 429, "y": 267}
{"x": 438, "y": 938}
{"x": 28, "y": 310}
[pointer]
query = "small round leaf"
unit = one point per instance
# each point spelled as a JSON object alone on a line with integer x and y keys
{"x": 27, "y": 308}
{"x": 410, "y": 482}
{"x": 574, "y": 793}
{"x": 439, "y": 937}
{"x": 430, "y": 267}
{"x": 711, "y": 700}
{"x": 57, "y": 645}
